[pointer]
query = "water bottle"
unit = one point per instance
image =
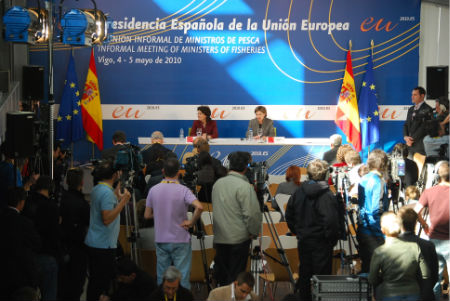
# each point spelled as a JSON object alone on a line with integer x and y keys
{"x": 401, "y": 167}
{"x": 250, "y": 134}
{"x": 181, "y": 134}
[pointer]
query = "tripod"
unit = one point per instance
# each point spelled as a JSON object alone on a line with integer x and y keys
{"x": 132, "y": 233}
{"x": 275, "y": 237}
{"x": 200, "y": 233}
{"x": 342, "y": 194}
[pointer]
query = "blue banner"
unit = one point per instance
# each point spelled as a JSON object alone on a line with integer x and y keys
{"x": 236, "y": 54}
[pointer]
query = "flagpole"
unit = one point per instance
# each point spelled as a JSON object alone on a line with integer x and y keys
{"x": 93, "y": 150}
{"x": 71, "y": 157}
{"x": 350, "y": 45}
{"x": 371, "y": 47}
{"x": 371, "y": 53}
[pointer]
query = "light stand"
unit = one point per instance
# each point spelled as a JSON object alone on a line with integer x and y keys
{"x": 51, "y": 100}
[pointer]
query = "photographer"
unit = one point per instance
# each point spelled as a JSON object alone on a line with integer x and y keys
{"x": 312, "y": 215}
{"x": 372, "y": 201}
{"x": 203, "y": 170}
{"x": 104, "y": 226}
{"x": 237, "y": 219}
{"x": 119, "y": 138}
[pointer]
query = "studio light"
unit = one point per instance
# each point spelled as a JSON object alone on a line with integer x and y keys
{"x": 84, "y": 27}
{"x": 26, "y": 25}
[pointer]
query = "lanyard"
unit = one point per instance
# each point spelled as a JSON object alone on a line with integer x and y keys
{"x": 106, "y": 184}
{"x": 170, "y": 181}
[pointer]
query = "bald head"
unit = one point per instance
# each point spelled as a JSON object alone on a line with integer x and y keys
{"x": 157, "y": 137}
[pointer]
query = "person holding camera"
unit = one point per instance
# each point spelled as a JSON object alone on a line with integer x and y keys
{"x": 312, "y": 215}
{"x": 104, "y": 227}
{"x": 237, "y": 219}
{"x": 372, "y": 201}
{"x": 119, "y": 138}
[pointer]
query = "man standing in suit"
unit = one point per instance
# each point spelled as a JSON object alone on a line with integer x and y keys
{"x": 330, "y": 156}
{"x": 414, "y": 127}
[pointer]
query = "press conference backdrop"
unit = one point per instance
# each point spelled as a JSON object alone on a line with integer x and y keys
{"x": 168, "y": 57}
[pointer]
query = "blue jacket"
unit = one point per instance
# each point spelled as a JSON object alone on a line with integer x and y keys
{"x": 371, "y": 204}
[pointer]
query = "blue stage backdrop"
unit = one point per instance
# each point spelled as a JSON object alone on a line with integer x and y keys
{"x": 169, "y": 56}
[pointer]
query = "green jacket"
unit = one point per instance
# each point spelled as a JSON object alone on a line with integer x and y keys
{"x": 236, "y": 214}
{"x": 397, "y": 266}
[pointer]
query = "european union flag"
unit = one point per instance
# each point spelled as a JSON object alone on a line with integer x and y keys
{"x": 69, "y": 125}
{"x": 368, "y": 108}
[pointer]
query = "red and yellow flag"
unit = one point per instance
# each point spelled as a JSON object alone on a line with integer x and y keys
{"x": 91, "y": 106}
{"x": 347, "y": 115}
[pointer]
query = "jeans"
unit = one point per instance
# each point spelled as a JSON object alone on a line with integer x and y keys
{"x": 178, "y": 254}
{"x": 48, "y": 270}
{"x": 443, "y": 253}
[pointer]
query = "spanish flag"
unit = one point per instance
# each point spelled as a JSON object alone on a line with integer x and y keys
{"x": 347, "y": 115}
{"x": 91, "y": 107}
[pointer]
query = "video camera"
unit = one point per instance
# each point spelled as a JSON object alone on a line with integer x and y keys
{"x": 257, "y": 174}
{"x": 339, "y": 177}
{"x": 129, "y": 161}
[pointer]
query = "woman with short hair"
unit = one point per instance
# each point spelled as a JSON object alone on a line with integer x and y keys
{"x": 261, "y": 126}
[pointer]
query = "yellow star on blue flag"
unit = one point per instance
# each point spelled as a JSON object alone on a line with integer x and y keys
{"x": 368, "y": 108}
{"x": 70, "y": 127}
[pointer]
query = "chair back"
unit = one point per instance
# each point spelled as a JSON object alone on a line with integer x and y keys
{"x": 282, "y": 199}
{"x": 275, "y": 215}
{"x": 207, "y": 217}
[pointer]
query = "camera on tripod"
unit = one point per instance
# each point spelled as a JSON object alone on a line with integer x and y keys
{"x": 129, "y": 161}
{"x": 339, "y": 177}
{"x": 257, "y": 174}
{"x": 397, "y": 166}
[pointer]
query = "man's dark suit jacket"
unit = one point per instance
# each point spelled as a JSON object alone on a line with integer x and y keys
{"x": 20, "y": 241}
{"x": 415, "y": 127}
{"x": 330, "y": 156}
{"x": 429, "y": 255}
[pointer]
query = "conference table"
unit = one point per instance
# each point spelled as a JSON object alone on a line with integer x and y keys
{"x": 279, "y": 154}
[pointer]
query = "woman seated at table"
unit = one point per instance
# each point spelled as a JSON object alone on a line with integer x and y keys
{"x": 262, "y": 126}
{"x": 204, "y": 126}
